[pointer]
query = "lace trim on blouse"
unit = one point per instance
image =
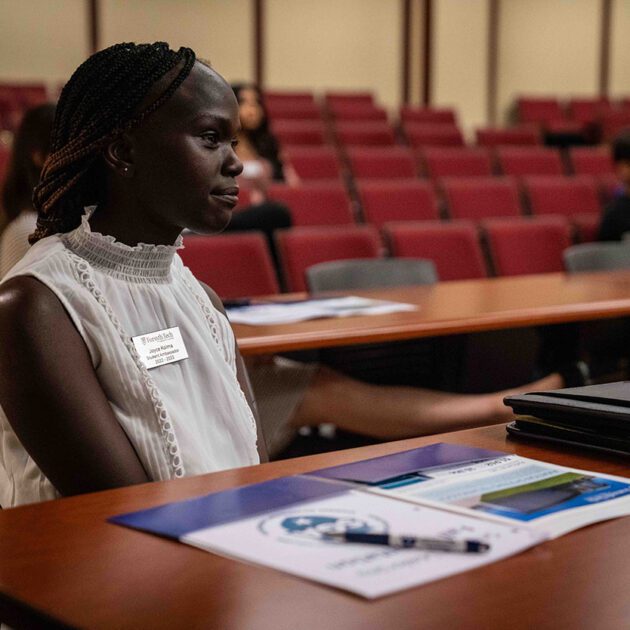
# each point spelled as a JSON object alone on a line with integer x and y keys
{"x": 142, "y": 263}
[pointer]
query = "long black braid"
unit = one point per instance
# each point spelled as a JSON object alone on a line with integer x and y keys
{"x": 100, "y": 100}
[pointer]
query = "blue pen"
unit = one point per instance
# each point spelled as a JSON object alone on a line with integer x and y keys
{"x": 412, "y": 542}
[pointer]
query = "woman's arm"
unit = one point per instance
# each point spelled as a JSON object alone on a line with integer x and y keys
{"x": 52, "y": 397}
{"x": 243, "y": 379}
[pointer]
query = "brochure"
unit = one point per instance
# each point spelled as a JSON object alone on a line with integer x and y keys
{"x": 441, "y": 491}
{"x": 269, "y": 313}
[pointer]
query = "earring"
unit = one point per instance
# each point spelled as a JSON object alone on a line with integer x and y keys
{"x": 126, "y": 169}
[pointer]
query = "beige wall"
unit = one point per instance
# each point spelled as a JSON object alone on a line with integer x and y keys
{"x": 218, "y": 30}
{"x": 548, "y": 47}
{"x": 460, "y": 59}
{"x": 42, "y": 40}
{"x": 619, "y": 49}
{"x": 338, "y": 44}
{"x": 417, "y": 46}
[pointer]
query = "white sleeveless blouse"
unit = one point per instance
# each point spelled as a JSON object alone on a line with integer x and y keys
{"x": 184, "y": 418}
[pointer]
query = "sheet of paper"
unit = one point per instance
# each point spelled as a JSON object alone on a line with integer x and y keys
{"x": 292, "y": 539}
{"x": 507, "y": 488}
{"x": 288, "y": 312}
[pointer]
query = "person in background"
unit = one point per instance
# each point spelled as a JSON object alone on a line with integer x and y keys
{"x": 30, "y": 148}
{"x": 616, "y": 218}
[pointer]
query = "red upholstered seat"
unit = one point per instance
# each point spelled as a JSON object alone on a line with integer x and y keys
{"x": 457, "y": 162}
{"x": 493, "y": 137}
{"x": 288, "y": 97}
{"x": 381, "y": 162}
{"x": 300, "y": 248}
{"x": 586, "y": 226}
{"x": 314, "y": 163}
{"x": 591, "y": 160}
{"x": 402, "y": 200}
{"x": 453, "y": 247}
{"x": 482, "y": 197}
{"x": 315, "y": 203}
{"x": 296, "y": 111}
{"x": 309, "y": 132}
{"x": 440, "y": 115}
{"x": 234, "y": 265}
{"x": 562, "y": 195}
{"x": 528, "y": 246}
{"x": 365, "y": 133}
{"x": 357, "y": 111}
{"x": 334, "y": 97}
{"x": 430, "y": 135}
{"x": 520, "y": 161}
{"x": 539, "y": 110}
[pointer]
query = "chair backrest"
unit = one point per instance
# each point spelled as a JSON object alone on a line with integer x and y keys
{"x": 539, "y": 110}
{"x": 562, "y": 195}
{"x": 433, "y": 135}
{"x": 493, "y": 137}
{"x": 333, "y": 97}
{"x": 381, "y": 162}
{"x": 591, "y": 160}
{"x": 300, "y": 132}
{"x": 357, "y": 111}
{"x": 440, "y": 115}
{"x": 597, "y": 257}
{"x": 288, "y": 97}
{"x": 530, "y": 161}
{"x": 365, "y": 133}
{"x": 375, "y": 273}
{"x": 527, "y": 246}
{"x": 457, "y": 162}
{"x": 300, "y": 248}
{"x": 314, "y": 163}
{"x": 293, "y": 110}
{"x": 315, "y": 203}
{"x": 401, "y": 200}
{"x": 482, "y": 197}
{"x": 234, "y": 265}
{"x": 453, "y": 247}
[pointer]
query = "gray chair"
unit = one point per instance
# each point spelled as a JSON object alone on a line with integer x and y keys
{"x": 369, "y": 273}
{"x": 597, "y": 257}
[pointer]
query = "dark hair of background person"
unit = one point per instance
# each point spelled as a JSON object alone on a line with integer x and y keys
{"x": 621, "y": 147}
{"x": 262, "y": 139}
{"x": 102, "y": 99}
{"x": 31, "y": 138}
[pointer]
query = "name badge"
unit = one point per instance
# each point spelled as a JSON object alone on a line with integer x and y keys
{"x": 160, "y": 347}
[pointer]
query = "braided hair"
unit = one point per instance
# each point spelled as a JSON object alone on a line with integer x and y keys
{"x": 101, "y": 99}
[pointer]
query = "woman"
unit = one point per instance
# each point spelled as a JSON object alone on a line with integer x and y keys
{"x": 30, "y": 148}
{"x": 153, "y": 151}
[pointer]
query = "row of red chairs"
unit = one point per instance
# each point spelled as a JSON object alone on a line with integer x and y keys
{"x": 475, "y": 198}
{"x": 317, "y": 163}
{"x": 239, "y": 265}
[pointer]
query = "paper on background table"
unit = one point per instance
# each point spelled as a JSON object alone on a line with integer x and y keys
{"x": 288, "y": 312}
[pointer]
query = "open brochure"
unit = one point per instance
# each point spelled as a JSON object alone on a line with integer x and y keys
{"x": 439, "y": 491}
{"x": 269, "y": 313}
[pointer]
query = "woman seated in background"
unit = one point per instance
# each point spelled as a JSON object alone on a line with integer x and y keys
{"x": 30, "y": 148}
{"x": 157, "y": 388}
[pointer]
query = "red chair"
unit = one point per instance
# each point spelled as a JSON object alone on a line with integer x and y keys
{"x": 587, "y": 110}
{"x": 482, "y": 197}
{"x": 290, "y": 97}
{"x": 357, "y": 111}
{"x": 567, "y": 196}
{"x": 614, "y": 122}
{"x": 381, "y": 162}
{"x": 431, "y": 115}
{"x": 520, "y": 136}
{"x": 315, "y": 203}
{"x": 457, "y": 162}
{"x": 365, "y": 133}
{"x": 314, "y": 163}
{"x": 293, "y": 111}
{"x": 520, "y": 161}
{"x": 591, "y": 161}
{"x": 5, "y": 153}
{"x": 234, "y": 265}
{"x": 299, "y": 248}
{"x": 533, "y": 245}
{"x": 300, "y": 132}
{"x": 453, "y": 247}
{"x": 333, "y": 97}
{"x": 586, "y": 227}
{"x": 427, "y": 135}
{"x": 539, "y": 110}
{"x": 397, "y": 201}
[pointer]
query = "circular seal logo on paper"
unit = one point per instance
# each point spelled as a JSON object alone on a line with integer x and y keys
{"x": 308, "y": 526}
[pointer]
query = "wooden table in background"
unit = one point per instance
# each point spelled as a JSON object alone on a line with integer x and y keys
{"x": 450, "y": 308}
{"x": 62, "y": 563}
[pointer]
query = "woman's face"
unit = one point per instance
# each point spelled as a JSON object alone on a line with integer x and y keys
{"x": 184, "y": 164}
{"x": 249, "y": 108}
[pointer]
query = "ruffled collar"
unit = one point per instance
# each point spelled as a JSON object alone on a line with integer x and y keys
{"x": 142, "y": 263}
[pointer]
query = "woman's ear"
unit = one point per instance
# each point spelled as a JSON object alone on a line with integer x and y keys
{"x": 118, "y": 155}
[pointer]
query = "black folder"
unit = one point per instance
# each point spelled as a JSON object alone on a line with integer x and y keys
{"x": 595, "y": 416}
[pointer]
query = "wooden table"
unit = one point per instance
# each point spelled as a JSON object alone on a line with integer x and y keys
{"x": 456, "y": 307}
{"x": 61, "y": 563}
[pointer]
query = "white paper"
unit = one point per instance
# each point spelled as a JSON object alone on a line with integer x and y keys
{"x": 160, "y": 347}
{"x": 551, "y": 498}
{"x": 292, "y": 540}
{"x": 288, "y": 312}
